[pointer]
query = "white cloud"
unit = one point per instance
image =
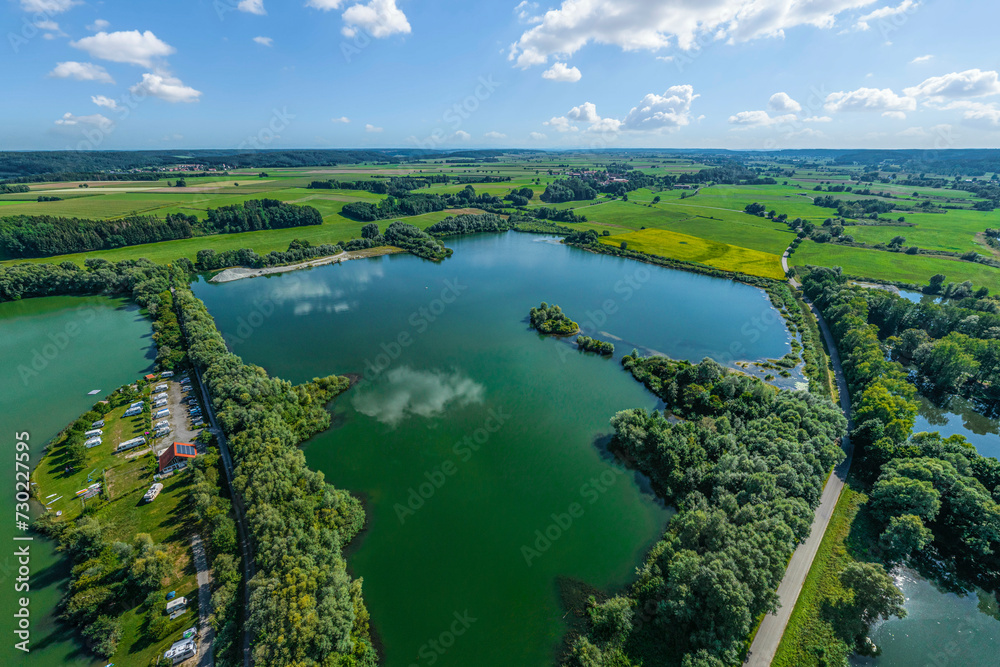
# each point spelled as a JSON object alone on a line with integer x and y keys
{"x": 635, "y": 25}
{"x": 252, "y": 7}
{"x": 665, "y": 59}
{"x": 342, "y": 119}
{"x": 48, "y": 6}
{"x": 461, "y": 135}
{"x": 102, "y": 101}
{"x": 658, "y": 112}
{"x": 129, "y": 46}
{"x": 782, "y": 103}
{"x": 81, "y": 72}
{"x": 264, "y": 41}
{"x": 885, "y": 12}
{"x": 562, "y": 72}
{"x": 371, "y": 128}
{"x": 970, "y": 83}
{"x": 527, "y": 12}
{"x": 921, "y": 59}
{"x": 537, "y": 136}
{"x": 895, "y": 115}
{"x": 98, "y": 25}
{"x": 495, "y": 135}
{"x": 977, "y": 114}
{"x": 407, "y": 393}
{"x": 654, "y": 113}
{"x": 759, "y": 119}
{"x": 95, "y": 120}
{"x": 869, "y": 99}
{"x": 378, "y": 18}
{"x": 48, "y": 25}
{"x": 817, "y": 119}
{"x": 165, "y": 87}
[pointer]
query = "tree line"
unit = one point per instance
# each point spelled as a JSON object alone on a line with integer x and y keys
{"x": 46, "y": 236}
{"x": 934, "y": 498}
{"x": 304, "y": 607}
{"x": 552, "y": 320}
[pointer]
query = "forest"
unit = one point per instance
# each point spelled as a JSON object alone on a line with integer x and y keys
{"x": 417, "y": 204}
{"x": 744, "y": 467}
{"x": 257, "y": 214}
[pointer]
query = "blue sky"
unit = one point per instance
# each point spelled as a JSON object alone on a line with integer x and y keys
{"x": 745, "y": 74}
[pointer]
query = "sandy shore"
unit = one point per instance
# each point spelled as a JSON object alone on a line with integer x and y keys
{"x": 239, "y": 272}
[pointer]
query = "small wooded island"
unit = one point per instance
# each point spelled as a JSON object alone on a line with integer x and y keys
{"x": 553, "y": 321}
{"x": 588, "y": 344}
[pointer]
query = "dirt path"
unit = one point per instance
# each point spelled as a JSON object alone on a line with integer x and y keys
{"x": 206, "y": 634}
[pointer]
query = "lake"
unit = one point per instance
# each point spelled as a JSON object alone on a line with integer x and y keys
{"x": 478, "y": 446}
{"x": 53, "y": 352}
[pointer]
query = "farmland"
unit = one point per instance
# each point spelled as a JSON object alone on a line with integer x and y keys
{"x": 712, "y": 213}
{"x": 694, "y": 249}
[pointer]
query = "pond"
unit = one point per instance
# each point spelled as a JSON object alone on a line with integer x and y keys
{"x": 941, "y": 628}
{"x": 53, "y": 352}
{"x": 954, "y": 415}
{"x": 478, "y": 446}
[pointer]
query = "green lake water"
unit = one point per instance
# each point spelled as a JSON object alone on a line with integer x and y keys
{"x": 53, "y": 351}
{"x": 941, "y": 628}
{"x": 478, "y": 446}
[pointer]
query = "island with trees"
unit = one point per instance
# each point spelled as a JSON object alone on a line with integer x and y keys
{"x": 588, "y": 344}
{"x": 551, "y": 320}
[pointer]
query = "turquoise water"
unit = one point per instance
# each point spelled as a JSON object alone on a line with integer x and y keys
{"x": 53, "y": 352}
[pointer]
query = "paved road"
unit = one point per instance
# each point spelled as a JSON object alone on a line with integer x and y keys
{"x": 206, "y": 635}
{"x": 765, "y": 643}
{"x": 227, "y": 467}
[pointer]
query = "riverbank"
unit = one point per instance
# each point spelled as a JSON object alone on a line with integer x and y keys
{"x": 240, "y": 272}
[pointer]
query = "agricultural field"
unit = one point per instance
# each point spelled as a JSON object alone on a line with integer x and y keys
{"x": 892, "y": 266}
{"x": 693, "y": 249}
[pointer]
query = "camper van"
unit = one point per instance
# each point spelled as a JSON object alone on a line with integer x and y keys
{"x": 176, "y": 604}
{"x": 153, "y": 492}
{"x": 98, "y": 424}
{"x": 132, "y": 412}
{"x": 162, "y": 413}
{"x": 166, "y": 374}
{"x": 162, "y": 424}
{"x": 93, "y": 442}
{"x": 137, "y": 404}
{"x": 160, "y": 395}
{"x": 93, "y": 434}
{"x": 162, "y": 403}
{"x": 161, "y": 387}
{"x": 131, "y": 444}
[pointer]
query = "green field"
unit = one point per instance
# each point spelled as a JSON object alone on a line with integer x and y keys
{"x": 693, "y": 249}
{"x": 893, "y": 266}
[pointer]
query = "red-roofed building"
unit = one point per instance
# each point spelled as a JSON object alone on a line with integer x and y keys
{"x": 150, "y": 377}
{"x": 177, "y": 454}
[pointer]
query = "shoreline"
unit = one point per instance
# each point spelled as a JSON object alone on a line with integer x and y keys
{"x": 235, "y": 273}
